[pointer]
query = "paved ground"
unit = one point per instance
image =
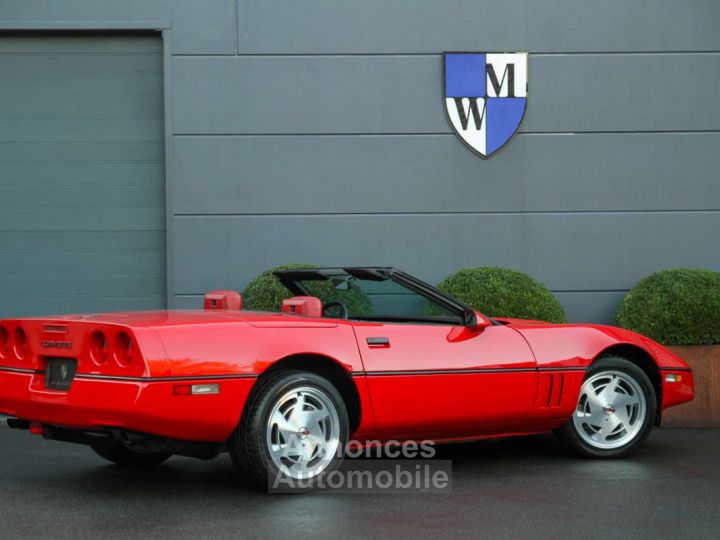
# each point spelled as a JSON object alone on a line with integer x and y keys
{"x": 510, "y": 489}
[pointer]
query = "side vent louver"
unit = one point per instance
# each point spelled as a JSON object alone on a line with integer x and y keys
{"x": 554, "y": 385}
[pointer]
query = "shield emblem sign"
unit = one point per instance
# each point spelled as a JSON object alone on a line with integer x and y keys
{"x": 485, "y": 97}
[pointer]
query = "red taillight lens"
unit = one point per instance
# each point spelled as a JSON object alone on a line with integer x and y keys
{"x": 4, "y": 342}
{"x": 98, "y": 347}
{"x": 124, "y": 348}
{"x": 21, "y": 347}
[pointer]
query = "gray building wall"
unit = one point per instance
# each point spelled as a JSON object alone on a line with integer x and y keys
{"x": 315, "y": 131}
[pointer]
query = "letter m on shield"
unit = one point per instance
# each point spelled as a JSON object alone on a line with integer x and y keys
{"x": 485, "y": 97}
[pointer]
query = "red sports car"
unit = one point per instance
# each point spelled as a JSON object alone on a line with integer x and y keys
{"x": 370, "y": 353}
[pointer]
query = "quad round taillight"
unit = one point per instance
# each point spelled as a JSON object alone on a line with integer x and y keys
{"x": 20, "y": 346}
{"x": 124, "y": 347}
{"x": 98, "y": 347}
{"x": 4, "y": 342}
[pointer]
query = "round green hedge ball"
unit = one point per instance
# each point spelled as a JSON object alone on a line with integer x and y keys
{"x": 675, "y": 307}
{"x": 503, "y": 292}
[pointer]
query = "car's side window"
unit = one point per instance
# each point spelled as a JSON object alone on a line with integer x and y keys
{"x": 376, "y": 300}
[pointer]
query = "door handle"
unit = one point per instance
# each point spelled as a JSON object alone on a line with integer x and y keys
{"x": 378, "y": 342}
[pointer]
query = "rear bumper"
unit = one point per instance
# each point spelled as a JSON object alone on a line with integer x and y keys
{"x": 144, "y": 406}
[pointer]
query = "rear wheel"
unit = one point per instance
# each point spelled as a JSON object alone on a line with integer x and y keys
{"x": 293, "y": 431}
{"x": 124, "y": 457}
{"x": 615, "y": 411}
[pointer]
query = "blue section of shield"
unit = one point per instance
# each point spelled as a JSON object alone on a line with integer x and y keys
{"x": 465, "y": 75}
{"x": 503, "y": 117}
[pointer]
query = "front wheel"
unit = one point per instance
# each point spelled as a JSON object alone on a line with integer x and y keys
{"x": 615, "y": 411}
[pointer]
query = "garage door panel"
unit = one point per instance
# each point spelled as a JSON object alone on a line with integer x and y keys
{"x": 83, "y": 285}
{"x": 74, "y": 263}
{"x": 38, "y": 65}
{"x": 140, "y": 242}
{"x": 115, "y": 86}
{"x": 27, "y": 175}
{"x": 26, "y": 307}
{"x": 111, "y": 130}
{"x": 89, "y": 219}
{"x": 82, "y": 193}
{"x": 87, "y": 153}
{"x": 82, "y": 197}
{"x": 103, "y": 43}
{"x": 55, "y": 107}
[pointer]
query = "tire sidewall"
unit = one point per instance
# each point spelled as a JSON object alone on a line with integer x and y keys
{"x": 613, "y": 363}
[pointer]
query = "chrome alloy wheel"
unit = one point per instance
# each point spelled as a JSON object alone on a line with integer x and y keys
{"x": 303, "y": 432}
{"x": 611, "y": 410}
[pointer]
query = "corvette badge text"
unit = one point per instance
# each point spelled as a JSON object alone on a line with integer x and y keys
{"x": 46, "y": 344}
{"x": 485, "y": 97}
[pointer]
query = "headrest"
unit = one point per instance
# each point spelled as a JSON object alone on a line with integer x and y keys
{"x": 309, "y": 306}
{"x": 230, "y": 300}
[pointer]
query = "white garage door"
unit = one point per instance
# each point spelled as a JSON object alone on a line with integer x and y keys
{"x": 82, "y": 180}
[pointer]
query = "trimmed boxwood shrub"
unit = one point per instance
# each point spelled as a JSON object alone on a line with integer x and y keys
{"x": 675, "y": 307}
{"x": 503, "y": 292}
{"x": 266, "y": 293}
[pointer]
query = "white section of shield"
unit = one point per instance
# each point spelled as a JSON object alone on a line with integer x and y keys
{"x": 499, "y": 62}
{"x": 474, "y": 136}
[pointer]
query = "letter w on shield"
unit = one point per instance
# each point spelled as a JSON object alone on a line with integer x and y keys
{"x": 475, "y": 106}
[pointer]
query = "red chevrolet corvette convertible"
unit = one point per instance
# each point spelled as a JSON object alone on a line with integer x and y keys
{"x": 370, "y": 353}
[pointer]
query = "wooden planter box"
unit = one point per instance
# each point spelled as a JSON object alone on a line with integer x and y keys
{"x": 704, "y": 410}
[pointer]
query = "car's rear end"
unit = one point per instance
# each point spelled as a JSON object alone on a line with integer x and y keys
{"x": 74, "y": 376}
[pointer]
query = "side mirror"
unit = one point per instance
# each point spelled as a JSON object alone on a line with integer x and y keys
{"x": 477, "y": 321}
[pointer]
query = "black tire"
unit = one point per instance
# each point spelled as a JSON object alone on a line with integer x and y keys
{"x": 122, "y": 456}
{"x": 570, "y": 437}
{"x": 247, "y": 445}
